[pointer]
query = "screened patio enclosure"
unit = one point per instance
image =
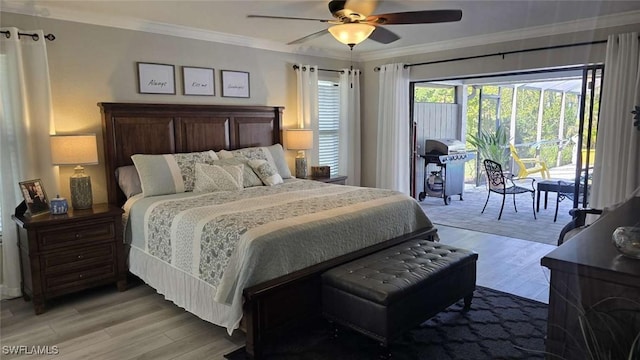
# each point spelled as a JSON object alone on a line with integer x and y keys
{"x": 549, "y": 115}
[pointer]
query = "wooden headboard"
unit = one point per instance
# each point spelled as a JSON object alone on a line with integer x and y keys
{"x": 134, "y": 128}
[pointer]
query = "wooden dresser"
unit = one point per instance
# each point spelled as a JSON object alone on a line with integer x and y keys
{"x": 588, "y": 270}
{"x": 61, "y": 254}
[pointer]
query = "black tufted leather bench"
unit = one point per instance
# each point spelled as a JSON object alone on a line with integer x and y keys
{"x": 396, "y": 289}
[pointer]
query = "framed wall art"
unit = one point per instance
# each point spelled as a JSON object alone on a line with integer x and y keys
{"x": 198, "y": 81}
{"x": 34, "y": 196}
{"x": 156, "y": 78}
{"x": 235, "y": 84}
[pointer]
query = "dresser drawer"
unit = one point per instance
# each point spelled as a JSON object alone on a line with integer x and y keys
{"x": 65, "y": 261}
{"x": 59, "y": 283}
{"x": 77, "y": 234}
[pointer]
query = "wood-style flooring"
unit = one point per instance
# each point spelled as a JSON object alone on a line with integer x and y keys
{"x": 139, "y": 324}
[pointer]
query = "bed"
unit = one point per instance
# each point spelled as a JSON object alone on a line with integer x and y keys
{"x": 173, "y": 236}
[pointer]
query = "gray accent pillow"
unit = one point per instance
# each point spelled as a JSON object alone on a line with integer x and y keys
{"x": 129, "y": 180}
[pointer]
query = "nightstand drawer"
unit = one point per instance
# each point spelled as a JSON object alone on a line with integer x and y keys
{"x": 62, "y": 254}
{"x": 76, "y": 235}
{"x": 80, "y": 277}
{"x": 65, "y": 261}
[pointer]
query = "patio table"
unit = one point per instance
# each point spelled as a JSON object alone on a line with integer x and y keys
{"x": 553, "y": 186}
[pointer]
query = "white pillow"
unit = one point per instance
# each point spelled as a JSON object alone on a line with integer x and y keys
{"x": 211, "y": 178}
{"x": 266, "y": 172}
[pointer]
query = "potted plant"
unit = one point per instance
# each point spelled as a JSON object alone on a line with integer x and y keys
{"x": 492, "y": 145}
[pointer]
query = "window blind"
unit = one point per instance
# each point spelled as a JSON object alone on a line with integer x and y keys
{"x": 328, "y": 124}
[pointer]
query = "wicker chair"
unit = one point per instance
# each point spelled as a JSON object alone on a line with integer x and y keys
{"x": 497, "y": 183}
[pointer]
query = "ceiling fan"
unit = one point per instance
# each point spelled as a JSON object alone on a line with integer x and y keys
{"x": 353, "y": 22}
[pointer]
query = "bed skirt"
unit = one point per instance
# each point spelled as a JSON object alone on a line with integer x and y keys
{"x": 184, "y": 290}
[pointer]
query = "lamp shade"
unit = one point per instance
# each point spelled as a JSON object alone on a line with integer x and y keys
{"x": 74, "y": 149}
{"x": 352, "y": 33}
{"x": 298, "y": 139}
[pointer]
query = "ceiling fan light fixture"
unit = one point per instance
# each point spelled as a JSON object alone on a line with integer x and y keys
{"x": 351, "y": 34}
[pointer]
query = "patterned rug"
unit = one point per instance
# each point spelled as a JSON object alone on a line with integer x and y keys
{"x": 467, "y": 214}
{"x": 498, "y": 326}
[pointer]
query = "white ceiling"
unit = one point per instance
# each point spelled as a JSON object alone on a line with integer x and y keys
{"x": 225, "y": 21}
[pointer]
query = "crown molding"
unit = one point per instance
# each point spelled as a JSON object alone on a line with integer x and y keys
{"x": 620, "y": 19}
{"x": 136, "y": 24}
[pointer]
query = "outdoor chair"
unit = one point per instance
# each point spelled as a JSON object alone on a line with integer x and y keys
{"x": 577, "y": 223}
{"x": 497, "y": 183}
{"x": 528, "y": 166}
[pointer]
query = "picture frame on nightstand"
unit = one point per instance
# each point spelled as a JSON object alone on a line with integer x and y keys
{"x": 34, "y": 197}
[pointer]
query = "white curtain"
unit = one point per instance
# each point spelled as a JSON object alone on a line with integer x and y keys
{"x": 307, "y": 79}
{"x": 26, "y": 121}
{"x": 393, "y": 155}
{"x": 349, "y": 140}
{"x": 617, "y": 166}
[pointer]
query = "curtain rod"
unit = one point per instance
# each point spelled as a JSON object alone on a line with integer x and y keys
{"x": 377, "y": 68}
{"x": 33, "y": 36}
{"x": 296, "y": 67}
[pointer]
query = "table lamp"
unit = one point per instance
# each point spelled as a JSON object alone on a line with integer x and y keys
{"x": 76, "y": 150}
{"x": 301, "y": 140}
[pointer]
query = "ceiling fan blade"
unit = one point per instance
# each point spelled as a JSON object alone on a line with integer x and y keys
{"x": 363, "y": 7}
{"x": 383, "y": 35}
{"x": 308, "y": 37}
{"x": 285, "y": 18}
{"x": 416, "y": 17}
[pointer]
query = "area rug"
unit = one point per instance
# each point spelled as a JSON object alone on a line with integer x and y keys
{"x": 498, "y": 326}
{"x": 467, "y": 214}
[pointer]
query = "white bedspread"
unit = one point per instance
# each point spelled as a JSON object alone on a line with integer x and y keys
{"x": 234, "y": 239}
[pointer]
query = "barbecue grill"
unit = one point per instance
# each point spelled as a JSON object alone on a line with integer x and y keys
{"x": 449, "y": 155}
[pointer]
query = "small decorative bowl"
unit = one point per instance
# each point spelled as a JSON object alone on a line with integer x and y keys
{"x": 627, "y": 240}
{"x": 59, "y": 206}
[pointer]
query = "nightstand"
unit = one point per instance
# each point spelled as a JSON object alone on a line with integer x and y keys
{"x": 337, "y": 179}
{"x": 62, "y": 254}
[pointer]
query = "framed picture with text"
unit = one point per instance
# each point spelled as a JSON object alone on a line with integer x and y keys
{"x": 156, "y": 79}
{"x": 235, "y": 84}
{"x": 198, "y": 81}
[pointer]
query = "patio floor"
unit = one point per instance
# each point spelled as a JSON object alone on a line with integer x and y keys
{"x": 466, "y": 214}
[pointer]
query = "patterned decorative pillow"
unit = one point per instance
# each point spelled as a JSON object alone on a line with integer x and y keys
{"x": 267, "y": 173}
{"x": 274, "y": 154}
{"x": 169, "y": 173}
{"x": 250, "y": 177}
{"x": 211, "y": 178}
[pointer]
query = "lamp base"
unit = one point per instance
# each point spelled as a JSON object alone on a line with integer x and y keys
{"x": 301, "y": 167}
{"x": 81, "y": 195}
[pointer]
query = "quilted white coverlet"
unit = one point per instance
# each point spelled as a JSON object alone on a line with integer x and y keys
{"x": 235, "y": 239}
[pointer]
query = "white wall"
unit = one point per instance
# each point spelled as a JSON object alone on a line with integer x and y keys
{"x": 90, "y": 64}
{"x": 491, "y": 65}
